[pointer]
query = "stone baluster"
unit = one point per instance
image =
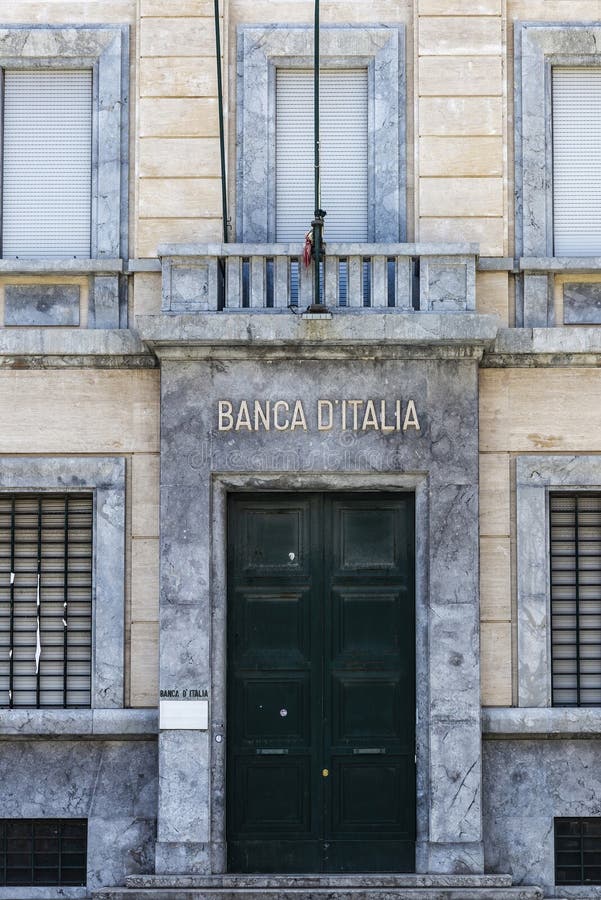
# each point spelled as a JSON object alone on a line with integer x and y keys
{"x": 233, "y": 282}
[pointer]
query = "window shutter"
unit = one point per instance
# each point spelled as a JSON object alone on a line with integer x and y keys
{"x": 577, "y": 161}
{"x": 47, "y": 163}
{"x": 576, "y": 599}
{"x": 53, "y": 535}
{"x": 343, "y": 127}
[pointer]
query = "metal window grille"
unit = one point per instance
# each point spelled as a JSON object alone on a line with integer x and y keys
{"x": 45, "y": 600}
{"x": 575, "y": 528}
{"x": 578, "y": 851}
{"x": 43, "y": 852}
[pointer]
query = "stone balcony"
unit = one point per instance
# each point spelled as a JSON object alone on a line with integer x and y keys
{"x": 406, "y": 278}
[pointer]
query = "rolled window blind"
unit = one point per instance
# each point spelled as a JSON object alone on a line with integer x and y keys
{"x": 343, "y": 127}
{"x": 576, "y": 599}
{"x": 47, "y": 163}
{"x": 577, "y": 161}
{"x": 45, "y": 651}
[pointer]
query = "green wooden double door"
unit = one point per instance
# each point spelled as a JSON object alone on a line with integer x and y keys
{"x": 321, "y": 683}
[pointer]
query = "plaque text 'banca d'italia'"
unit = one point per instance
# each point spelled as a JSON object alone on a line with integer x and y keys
{"x": 386, "y": 416}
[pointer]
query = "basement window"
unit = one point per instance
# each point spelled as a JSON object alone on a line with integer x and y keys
{"x": 43, "y": 852}
{"x": 578, "y": 851}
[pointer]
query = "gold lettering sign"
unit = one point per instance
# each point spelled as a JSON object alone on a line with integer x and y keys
{"x": 385, "y": 416}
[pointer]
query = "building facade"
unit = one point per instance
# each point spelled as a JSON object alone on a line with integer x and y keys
{"x": 284, "y": 590}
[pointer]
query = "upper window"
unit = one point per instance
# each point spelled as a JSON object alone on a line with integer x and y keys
{"x": 64, "y": 141}
{"x": 575, "y": 563}
{"x": 343, "y": 157}
{"x": 45, "y": 600}
{"x": 47, "y": 163}
{"x": 576, "y": 161}
{"x": 362, "y": 122}
{"x": 558, "y": 139}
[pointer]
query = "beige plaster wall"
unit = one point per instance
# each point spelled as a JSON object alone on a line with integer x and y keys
{"x": 177, "y": 163}
{"x": 461, "y": 125}
{"x": 93, "y": 412}
{"x": 522, "y": 411}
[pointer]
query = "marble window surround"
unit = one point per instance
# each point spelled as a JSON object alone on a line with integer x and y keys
{"x": 261, "y": 49}
{"x": 538, "y": 47}
{"x": 536, "y": 476}
{"x": 105, "y": 476}
{"x": 105, "y": 50}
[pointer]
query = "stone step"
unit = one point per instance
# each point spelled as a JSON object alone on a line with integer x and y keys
{"x": 323, "y": 893}
{"x": 231, "y": 880}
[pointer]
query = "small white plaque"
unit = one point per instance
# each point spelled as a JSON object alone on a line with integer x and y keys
{"x": 184, "y": 714}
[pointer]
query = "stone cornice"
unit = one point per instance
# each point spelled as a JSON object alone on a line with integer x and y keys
{"x": 348, "y": 334}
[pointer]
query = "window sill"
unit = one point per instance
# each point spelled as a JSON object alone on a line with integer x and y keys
{"x": 95, "y": 724}
{"x": 578, "y": 264}
{"x": 546, "y": 722}
{"x": 56, "y": 266}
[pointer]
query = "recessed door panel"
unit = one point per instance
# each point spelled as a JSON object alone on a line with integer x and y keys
{"x": 274, "y": 709}
{"x": 273, "y": 628}
{"x": 366, "y": 707}
{"x": 321, "y": 693}
{"x": 272, "y": 795}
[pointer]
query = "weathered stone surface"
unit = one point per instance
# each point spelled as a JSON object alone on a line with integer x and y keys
{"x": 581, "y": 303}
{"x": 111, "y": 783}
{"x": 308, "y": 881}
{"x": 536, "y": 301}
{"x": 110, "y": 723}
{"x": 526, "y": 783}
{"x": 327, "y": 893}
{"x": 41, "y": 304}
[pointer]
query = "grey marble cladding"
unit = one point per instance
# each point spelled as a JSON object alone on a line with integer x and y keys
{"x": 260, "y": 50}
{"x": 536, "y": 301}
{"x": 582, "y": 303}
{"x": 327, "y": 893}
{"x": 72, "y": 723}
{"x": 105, "y": 476}
{"x": 309, "y": 881}
{"x": 550, "y": 722}
{"x": 190, "y": 284}
{"x": 41, "y": 304}
{"x": 526, "y": 783}
{"x": 111, "y": 783}
{"x": 447, "y": 283}
{"x": 201, "y": 464}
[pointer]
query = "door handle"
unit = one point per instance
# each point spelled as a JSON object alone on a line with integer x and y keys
{"x": 371, "y": 750}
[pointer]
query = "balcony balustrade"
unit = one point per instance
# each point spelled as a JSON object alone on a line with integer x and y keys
{"x": 408, "y": 278}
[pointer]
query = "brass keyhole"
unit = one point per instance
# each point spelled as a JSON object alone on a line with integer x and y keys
{"x": 325, "y": 772}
